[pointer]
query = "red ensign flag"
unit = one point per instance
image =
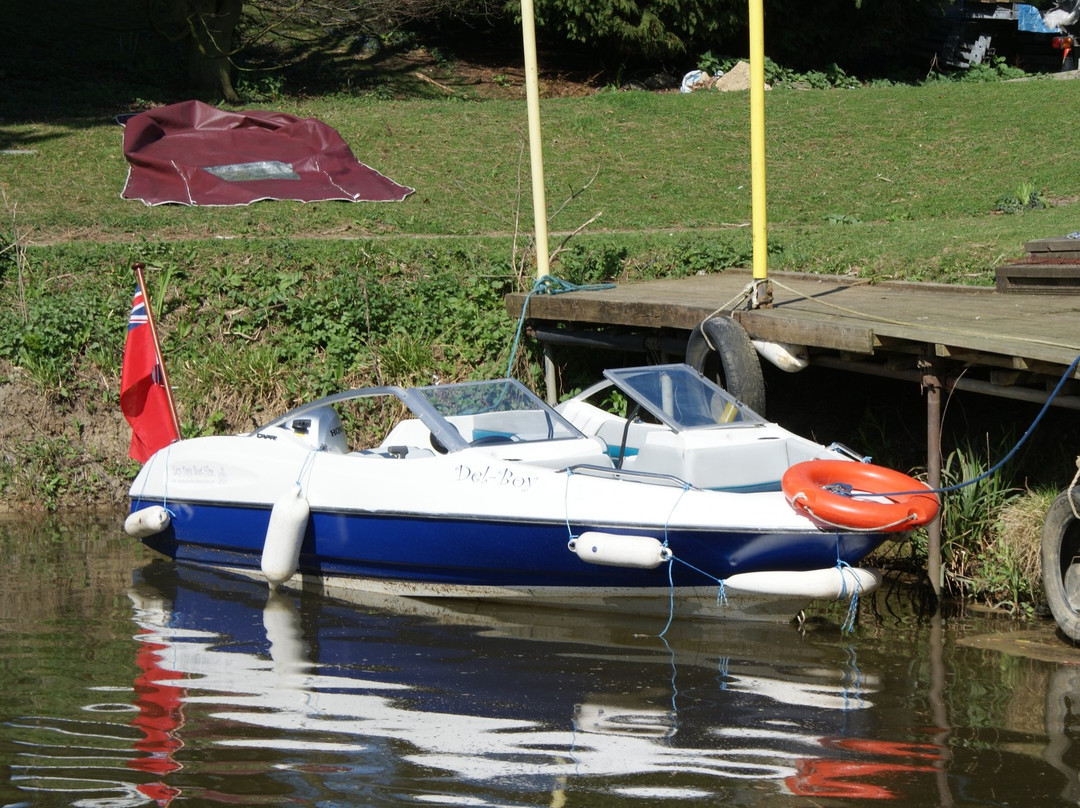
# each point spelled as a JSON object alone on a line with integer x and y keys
{"x": 144, "y": 399}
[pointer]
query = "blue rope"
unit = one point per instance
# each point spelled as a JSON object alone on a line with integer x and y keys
{"x": 721, "y": 595}
{"x": 686, "y": 487}
{"x": 671, "y": 597}
{"x": 165, "y": 494}
{"x": 671, "y": 581}
{"x": 853, "y": 604}
{"x": 547, "y": 285}
{"x": 566, "y": 505}
{"x": 997, "y": 466}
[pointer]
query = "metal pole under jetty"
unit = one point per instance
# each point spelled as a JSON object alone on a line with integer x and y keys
{"x": 932, "y": 386}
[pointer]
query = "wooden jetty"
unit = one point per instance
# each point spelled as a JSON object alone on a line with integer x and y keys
{"x": 1015, "y": 344}
{"x": 1016, "y": 340}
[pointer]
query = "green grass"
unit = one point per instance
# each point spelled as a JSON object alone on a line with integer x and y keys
{"x": 882, "y": 181}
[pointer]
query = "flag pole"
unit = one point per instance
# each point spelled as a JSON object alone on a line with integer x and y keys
{"x": 139, "y": 266}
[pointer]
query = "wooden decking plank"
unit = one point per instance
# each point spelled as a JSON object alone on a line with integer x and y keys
{"x": 832, "y": 313}
{"x": 773, "y": 326}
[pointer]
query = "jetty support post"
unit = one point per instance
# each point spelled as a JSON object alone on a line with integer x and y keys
{"x": 931, "y": 383}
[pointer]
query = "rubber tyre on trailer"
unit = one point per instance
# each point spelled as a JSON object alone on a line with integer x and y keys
{"x": 734, "y": 365}
{"x": 1061, "y": 563}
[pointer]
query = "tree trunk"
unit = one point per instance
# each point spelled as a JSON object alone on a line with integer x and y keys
{"x": 211, "y": 26}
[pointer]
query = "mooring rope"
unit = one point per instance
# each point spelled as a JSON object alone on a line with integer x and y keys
{"x": 306, "y": 467}
{"x": 877, "y": 318}
{"x": 165, "y": 488}
{"x": 853, "y": 604}
{"x": 547, "y": 285}
{"x": 997, "y": 466}
{"x": 1072, "y": 497}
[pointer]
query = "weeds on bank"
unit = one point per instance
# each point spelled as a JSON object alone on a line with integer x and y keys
{"x": 55, "y": 470}
{"x": 1026, "y": 197}
{"x": 990, "y": 534}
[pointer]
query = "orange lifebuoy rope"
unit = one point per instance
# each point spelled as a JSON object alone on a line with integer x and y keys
{"x": 900, "y": 502}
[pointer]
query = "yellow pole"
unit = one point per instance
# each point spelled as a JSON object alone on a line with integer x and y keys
{"x": 536, "y": 161}
{"x": 536, "y": 151}
{"x": 759, "y": 224}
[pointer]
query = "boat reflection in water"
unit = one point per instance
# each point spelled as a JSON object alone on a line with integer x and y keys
{"x": 255, "y": 697}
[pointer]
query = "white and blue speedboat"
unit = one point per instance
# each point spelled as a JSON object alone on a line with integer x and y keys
{"x": 684, "y": 500}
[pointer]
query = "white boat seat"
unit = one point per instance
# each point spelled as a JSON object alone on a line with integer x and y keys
{"x": 594, "y": 421}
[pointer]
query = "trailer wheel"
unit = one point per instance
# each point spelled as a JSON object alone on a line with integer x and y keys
{"x": 734, "y": 364}
{"x": 1061, "y": 563}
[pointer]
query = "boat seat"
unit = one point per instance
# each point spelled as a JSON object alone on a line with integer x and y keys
{"x": 410, "y": 432}
{"x": 755, "y": 465}
{"x": 593, "y": 421}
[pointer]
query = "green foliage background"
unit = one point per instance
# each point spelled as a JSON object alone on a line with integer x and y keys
{"x": 871, "y": 37}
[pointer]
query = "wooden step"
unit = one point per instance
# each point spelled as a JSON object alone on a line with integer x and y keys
{"x": 1057, "y": 277}
{"x": 1064, "y": 247}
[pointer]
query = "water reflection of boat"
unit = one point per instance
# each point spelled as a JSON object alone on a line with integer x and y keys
{"x": 308, "y": 695}
{"x": 691, "y": 502}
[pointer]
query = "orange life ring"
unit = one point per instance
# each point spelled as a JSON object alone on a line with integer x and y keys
{"x": 810, "y": 488}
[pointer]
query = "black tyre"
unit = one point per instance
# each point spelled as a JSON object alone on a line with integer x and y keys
{"x": 734, "y": 364}
{"x": 1061, "y": 563}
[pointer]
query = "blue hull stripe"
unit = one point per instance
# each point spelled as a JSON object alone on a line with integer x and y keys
{"x": 478, "y": 552}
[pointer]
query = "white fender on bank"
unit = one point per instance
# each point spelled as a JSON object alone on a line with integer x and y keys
{"x": 789, "y": 358}
{"x": 147, "y": 521}
{"x": 613, "y": 550}
{"x": 285, "y": 534}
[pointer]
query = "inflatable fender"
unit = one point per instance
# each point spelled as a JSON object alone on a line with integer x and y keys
{"x": 147, "y": 521}
{"x": 284, "y": 536}
{"x": 737, "y": 368}
{"x": 615, "y": 550}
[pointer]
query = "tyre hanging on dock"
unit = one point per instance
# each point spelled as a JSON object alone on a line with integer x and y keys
{"x": 721, "y": 348}
{"x": 1061, "y": 562}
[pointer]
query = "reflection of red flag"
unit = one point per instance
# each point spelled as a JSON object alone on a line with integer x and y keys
{"x": 159, "y": 699}
{"x": 144, "y": 394}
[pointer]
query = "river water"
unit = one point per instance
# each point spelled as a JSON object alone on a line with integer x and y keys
{"x": 126, "y": 680}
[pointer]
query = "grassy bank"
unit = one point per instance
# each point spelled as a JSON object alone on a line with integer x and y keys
{"x": 263, "y": 306}
{"x": 894, "y": 180}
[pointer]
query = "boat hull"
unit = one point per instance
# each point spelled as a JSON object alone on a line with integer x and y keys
{"x": 513, "y": 560}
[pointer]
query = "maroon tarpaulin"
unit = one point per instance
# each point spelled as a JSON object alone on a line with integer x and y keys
{"x": 194, "y": 154}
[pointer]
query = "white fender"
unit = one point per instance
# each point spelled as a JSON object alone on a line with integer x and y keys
{"x": 832, "y": 583}
{"x": 613, "y": 550}
{"x": 789, "y": 358}
{"x": 147, "y": 521}
{"x": 285, "y": 534}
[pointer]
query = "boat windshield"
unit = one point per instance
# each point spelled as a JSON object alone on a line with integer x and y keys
{"x": 681, "y": 398}
{"x": 504, "y": 408}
